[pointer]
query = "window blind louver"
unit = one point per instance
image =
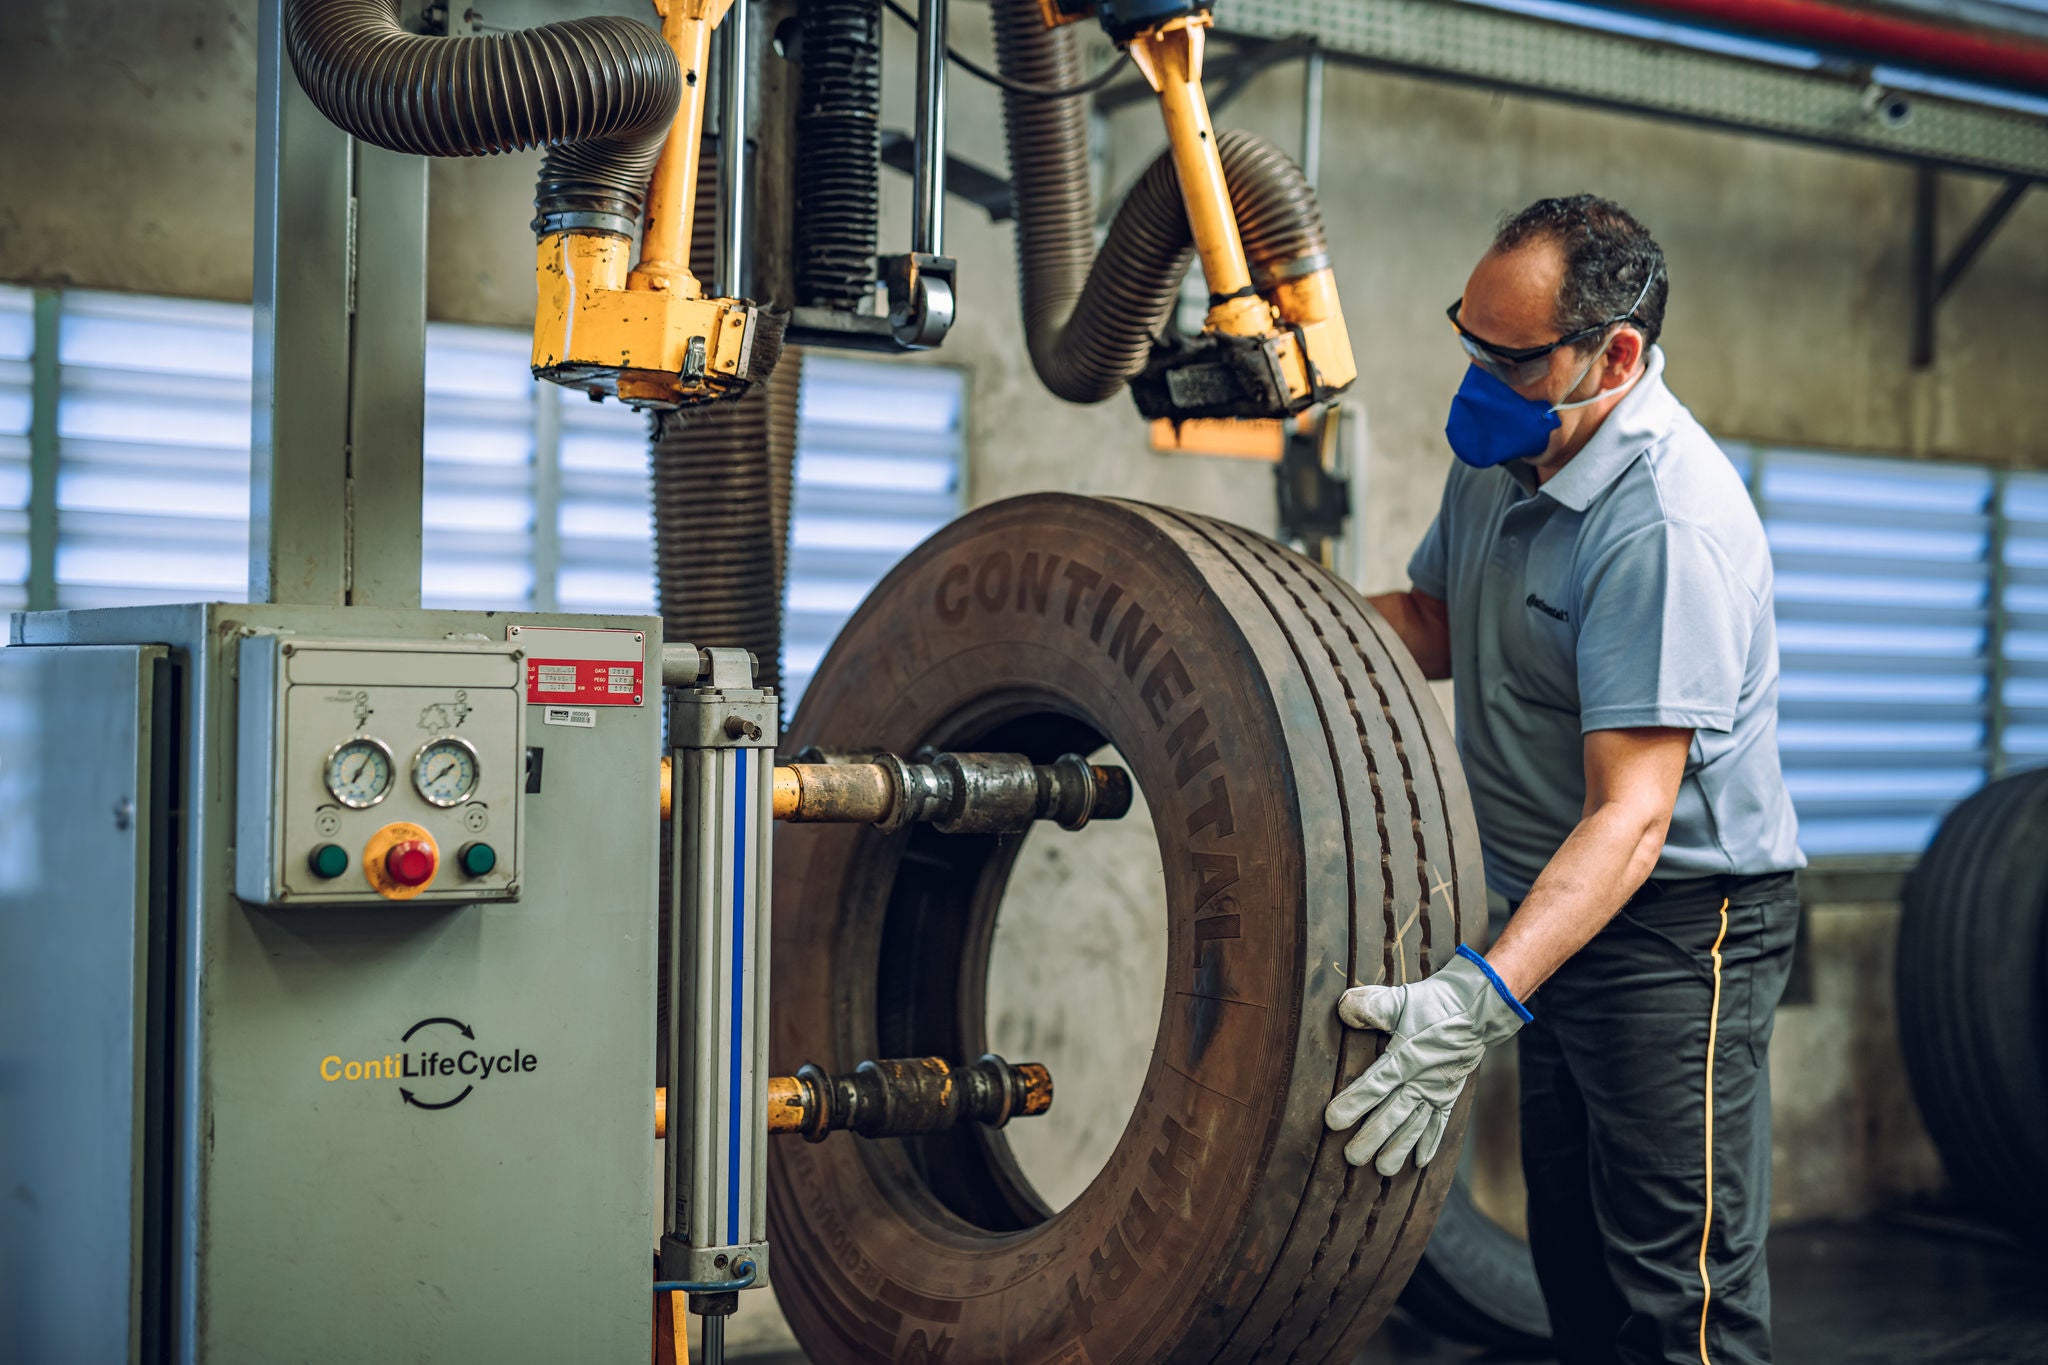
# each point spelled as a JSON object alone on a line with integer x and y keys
{"x": 477, "y": 479}
{"x": 17, "y": 351}
{"x": 2024, "y": 672}
{"x": 606, "y": 519}
{"x": 879, "y": 453}
{"x": 1883, "y": 604}
{"x": 153, "y": 441}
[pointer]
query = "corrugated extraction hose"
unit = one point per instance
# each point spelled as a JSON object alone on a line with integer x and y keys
{"x": 838, "y": 123}
{"x": 598, "y": 93}
{"x": 723, "y": 474}
{"x": 1089, "y": 317}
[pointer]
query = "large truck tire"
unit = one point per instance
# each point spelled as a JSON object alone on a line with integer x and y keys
{"x": 1313, "y": 830}
{"x": 1973, "y": 999}
{"x": 1477, "y": 1283}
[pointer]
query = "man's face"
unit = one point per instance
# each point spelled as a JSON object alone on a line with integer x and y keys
{"x": 1511, "y": 300}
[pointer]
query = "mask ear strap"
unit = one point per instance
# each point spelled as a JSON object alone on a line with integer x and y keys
{"x": 1614, "y": 392}
{"x": 1622, "y": 321}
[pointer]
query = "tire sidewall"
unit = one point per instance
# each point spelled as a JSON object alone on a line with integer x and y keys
{"x": 1157, "y": 1239}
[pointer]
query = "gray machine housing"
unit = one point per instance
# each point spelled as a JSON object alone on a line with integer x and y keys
{"x": 327, "y": 1132}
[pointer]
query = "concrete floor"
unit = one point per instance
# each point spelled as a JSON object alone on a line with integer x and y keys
{"x": 1891, "y": 1292}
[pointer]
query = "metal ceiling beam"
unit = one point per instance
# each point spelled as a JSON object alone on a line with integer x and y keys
{"x": 1836, "y": 106}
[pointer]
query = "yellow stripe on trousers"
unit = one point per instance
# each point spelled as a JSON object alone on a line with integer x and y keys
{"x": 1713, "y": 1041}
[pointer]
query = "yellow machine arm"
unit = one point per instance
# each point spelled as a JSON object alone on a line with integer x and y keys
{"x": 649, "y": 335}
{"x": 1297, "y": 322}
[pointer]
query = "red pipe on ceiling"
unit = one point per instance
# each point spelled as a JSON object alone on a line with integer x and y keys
{"x": 1876, "y": 35}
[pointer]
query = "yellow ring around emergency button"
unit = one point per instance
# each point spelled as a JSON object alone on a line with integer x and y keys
{"x": 379, "y": 847}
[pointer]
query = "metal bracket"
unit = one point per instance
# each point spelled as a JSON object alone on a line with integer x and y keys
{"x": 1932, "y": 283}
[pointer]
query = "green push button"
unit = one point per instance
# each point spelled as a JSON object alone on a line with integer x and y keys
{"x": 328, "y": 861}
{"x": 477, "y": 860}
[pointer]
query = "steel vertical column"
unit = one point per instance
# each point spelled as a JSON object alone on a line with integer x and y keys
{"x": 734, "y": 51}
{"x": 928, "y": 180}
{"x": 1997, "y": 624}
{"x": 1924, "y": 262}
{"x": 547, "y": 495}
{"x": 387, "y": 378}
{"x": 45, "y": 390}
{"x": 340, "y": 337}
{"x": 1312, "y": 117}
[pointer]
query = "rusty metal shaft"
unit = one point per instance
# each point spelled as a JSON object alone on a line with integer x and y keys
{"x": 897, "y": 1098}
{"x": 955, "y": 793}
{"x": 905, "y": 1096}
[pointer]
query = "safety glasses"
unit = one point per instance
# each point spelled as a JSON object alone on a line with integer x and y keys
{"x": 1519, "y": 366}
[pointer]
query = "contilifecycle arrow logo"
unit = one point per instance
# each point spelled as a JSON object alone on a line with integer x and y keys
{"x": 434, "y": 1074}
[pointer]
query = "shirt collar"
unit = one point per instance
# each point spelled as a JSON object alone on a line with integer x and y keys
{"x": 1636, "y": 423}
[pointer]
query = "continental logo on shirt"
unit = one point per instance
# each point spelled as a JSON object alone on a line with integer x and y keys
{"x": 1532, "y": 600}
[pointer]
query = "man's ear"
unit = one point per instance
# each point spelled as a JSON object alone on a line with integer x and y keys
{"x": 1623, "y": 354}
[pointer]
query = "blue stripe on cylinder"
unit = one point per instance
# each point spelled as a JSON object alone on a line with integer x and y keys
{"x": 739, "y": 977}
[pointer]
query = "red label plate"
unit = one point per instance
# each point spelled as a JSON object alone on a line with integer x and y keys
{"x": 573, "y": 667}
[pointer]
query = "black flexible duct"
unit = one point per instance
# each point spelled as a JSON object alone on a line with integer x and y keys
{"x": 838, "y": 119}
{"x": 723, "y": 474}
{"x": 1090, "y": 318}
{"x": 598, "y": 93}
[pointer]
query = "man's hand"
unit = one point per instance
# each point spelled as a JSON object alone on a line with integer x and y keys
{"x": 1441, "y": 1027}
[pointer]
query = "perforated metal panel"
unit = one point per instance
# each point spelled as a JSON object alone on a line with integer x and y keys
{"x": 1510, "y": 51}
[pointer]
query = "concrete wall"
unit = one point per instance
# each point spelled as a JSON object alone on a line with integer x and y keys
{"x": 128, "y": 165}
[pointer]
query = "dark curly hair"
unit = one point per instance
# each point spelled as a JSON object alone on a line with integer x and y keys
{"x": 1608, "y": 256}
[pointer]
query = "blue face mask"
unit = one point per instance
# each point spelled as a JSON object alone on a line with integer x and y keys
{"x": 1491, "y": 424}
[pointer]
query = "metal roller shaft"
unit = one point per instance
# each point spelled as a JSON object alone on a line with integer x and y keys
{"x": 907, "y": 1096}
{"x": 955, "y": 793}
{"x": 898, "y": 1097}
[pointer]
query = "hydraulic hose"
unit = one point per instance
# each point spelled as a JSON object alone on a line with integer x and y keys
{"x": 598, "y": 94}
{"x": 1090, "y": 318}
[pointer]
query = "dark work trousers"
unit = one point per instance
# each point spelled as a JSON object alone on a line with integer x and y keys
{"x": 1647, "y": 1149}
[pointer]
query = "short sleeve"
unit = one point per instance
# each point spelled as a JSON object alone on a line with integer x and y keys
{"x": 1429, "y": 567}
{"x": 1665, "y": 624}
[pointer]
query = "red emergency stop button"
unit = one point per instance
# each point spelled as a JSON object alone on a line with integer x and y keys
{"x": 411, "y": 863}
{"x": 399, "y": 860}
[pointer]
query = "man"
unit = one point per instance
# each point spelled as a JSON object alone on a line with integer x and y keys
{"x": 1598, "y": 588}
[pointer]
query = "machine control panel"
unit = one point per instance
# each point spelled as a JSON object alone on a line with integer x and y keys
{"x": 378, "y": 771}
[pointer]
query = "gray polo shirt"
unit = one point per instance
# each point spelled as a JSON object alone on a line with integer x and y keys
{"x": 1632, "y": 589}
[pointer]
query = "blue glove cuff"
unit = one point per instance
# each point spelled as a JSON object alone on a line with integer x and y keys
{"x": 1520, "y": 1009}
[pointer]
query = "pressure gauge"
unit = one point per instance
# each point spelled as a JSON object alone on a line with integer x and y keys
{"x": 445, "y": 771}
{"x": 359, "y": 773}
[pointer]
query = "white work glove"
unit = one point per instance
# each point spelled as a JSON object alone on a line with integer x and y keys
{"x": 1442, "y": 1027}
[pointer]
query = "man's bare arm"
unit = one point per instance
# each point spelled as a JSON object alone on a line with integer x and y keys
{"x": 1632, "y": 779}
{"x": 1424, "y": 625}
